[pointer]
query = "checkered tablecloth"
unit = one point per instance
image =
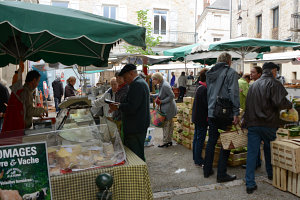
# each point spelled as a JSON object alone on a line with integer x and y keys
{"x": 131, "y": 181}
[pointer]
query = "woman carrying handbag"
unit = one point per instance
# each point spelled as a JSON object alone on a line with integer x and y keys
{"x": 166, "y": 101}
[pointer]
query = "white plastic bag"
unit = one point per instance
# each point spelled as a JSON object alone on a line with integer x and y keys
{"x": 149, "y": 137}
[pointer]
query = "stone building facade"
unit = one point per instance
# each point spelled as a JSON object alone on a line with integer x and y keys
{"x": 214, "y": 22}
{"x": 173, "y": 20}
{"x": 267, "y": 19}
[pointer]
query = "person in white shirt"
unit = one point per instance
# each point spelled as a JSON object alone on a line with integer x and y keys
{"x": 110, "y": 94}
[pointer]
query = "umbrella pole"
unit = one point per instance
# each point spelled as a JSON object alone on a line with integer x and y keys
{"x": 242, "y": 62}
{"x": 186, "y": 72}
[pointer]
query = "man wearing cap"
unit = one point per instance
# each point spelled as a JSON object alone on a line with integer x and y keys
{"x": 265, "y": 98}
{"x": 135, "y": 110}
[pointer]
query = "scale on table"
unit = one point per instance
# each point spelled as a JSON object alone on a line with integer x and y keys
{"x": 75, "y": 112}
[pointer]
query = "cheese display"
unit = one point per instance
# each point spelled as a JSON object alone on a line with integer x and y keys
{"x": 84, "y": 148}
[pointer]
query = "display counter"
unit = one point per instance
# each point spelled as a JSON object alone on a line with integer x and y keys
{"x": 130, "y": 181}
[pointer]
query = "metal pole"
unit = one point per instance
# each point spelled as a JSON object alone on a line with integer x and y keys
{"x": 230, "y": 19}
{"x": 196, "y": 22}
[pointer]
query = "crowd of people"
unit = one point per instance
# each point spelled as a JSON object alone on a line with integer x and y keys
{"x": 260, "y": 103}
{"x": 256, "y": 98}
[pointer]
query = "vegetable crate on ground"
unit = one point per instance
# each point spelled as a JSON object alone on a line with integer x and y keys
{"x": 237, "y": 159}
{"x": 286, "y": 154}
{"x": 285, "y": 134}
{"x": 286, "y": 180}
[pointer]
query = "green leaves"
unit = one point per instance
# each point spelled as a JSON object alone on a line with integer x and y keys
{"x": 151, "y": 41}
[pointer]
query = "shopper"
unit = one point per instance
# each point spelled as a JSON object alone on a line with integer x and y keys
{"x": 135, "y": 110}
{"x": 265, "y": 99}
{"x": 199, "y": 118}
{"x": 58, "y": 92}
{"x": 191, "y": 76}
{"x": 69, "y": 89}
{"x": 120, "y": 97}
{"x": 244, "y": 87}
{"x": 173, "y": 79}
{"x": 255, "y": 73}
{"x": 222, "y": 81}
{"x": 166, "y": 103}
{"x": 3, "y": 101}
{"x": 182, "y": 81}
{"x": 110, "y": 94}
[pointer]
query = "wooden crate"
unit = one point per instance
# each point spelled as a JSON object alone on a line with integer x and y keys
{"x": 293, "y": 183}
{"x": 237, "y": 159}
{"x": 286, "y": 154}
{"x": 286, "y": 180}
{"x": 280, "y": 178}
{"x": 284, "y": 134}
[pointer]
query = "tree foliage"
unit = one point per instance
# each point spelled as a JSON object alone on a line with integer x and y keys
{"x": 151, "y": 41}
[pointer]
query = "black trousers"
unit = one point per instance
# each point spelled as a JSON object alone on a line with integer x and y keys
{"x": 135, "y": 142}
{"x": 181, "y": 92}
{"x": 213, "y": 136}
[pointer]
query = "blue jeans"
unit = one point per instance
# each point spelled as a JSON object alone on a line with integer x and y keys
{"x": 57, "y": 101}
{"x": 198, "y": 142}
{"x": 213, "y": 134}
{"x": 255, "y": 136}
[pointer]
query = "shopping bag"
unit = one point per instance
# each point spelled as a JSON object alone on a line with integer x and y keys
{"x": 149, "y": 137}
{"x": 234, "y": 139}
{"x": 157, "y": 117}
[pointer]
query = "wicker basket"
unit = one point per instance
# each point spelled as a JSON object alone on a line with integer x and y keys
{"x": 234, "y": 139}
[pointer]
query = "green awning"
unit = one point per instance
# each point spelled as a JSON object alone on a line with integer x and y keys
{"x": 249, "y": 45}
{"x": 54, "y": 34}
{"x": 180, "y": 51}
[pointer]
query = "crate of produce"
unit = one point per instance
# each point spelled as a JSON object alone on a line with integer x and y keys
{"x": 286, "y": 154}
{"x": 280, "y": 178}
{"x": 237, "y": 157}
{"x": 291, "y": 133}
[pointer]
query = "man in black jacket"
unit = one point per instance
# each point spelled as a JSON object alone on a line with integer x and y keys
{"x": 266, "y": 97}
{"x": 3, "y": 102}
{"x": 58, "y": 92}
{"x": 135, "y": 110}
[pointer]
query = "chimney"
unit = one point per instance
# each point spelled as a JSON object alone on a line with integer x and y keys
{"x": 206, "y": 3}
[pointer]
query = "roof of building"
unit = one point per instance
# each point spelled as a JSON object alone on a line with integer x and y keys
{"x": 220, "y": 5}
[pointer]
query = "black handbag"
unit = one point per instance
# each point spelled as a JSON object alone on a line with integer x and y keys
{"x": 223, "y": 107}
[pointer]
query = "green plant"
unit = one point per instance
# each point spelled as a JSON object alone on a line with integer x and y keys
{"x": 151, "y": 41}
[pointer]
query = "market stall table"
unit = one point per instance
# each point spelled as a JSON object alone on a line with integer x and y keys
{"x": 131, "y": 181}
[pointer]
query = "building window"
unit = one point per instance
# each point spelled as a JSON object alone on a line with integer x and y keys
{"x": 110, "y": 12}
{"x": 275, "y": 17}
{"x": 217, "y": 20}
{"x": 64, "y": 4}
{"x": 239, "y": 29}
{"x": 258, "y": 24}
{"x": 217, "y": 39}
{"x": 160, "y": 22}
{"x": 240, "y": 5}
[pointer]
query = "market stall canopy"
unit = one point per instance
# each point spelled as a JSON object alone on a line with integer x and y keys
{"x": 243, "y": 46}
{"x": 180, "y": 51}
{"x": 55, "y": 34}
{"x": 210, "y": 57}
{"x": 249, "y": 45}
{"x": 284, "y": 57}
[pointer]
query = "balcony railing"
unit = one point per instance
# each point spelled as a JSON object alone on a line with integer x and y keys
{"x": 295, "y": 22}
{"x": 177, "y": 37}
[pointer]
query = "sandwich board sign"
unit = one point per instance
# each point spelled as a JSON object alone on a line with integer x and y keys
{"x": 24, "y": 172}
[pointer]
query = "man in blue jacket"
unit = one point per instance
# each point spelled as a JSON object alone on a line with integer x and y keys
{"x": 135, "y": 110}
{"x": 221, "y": 81}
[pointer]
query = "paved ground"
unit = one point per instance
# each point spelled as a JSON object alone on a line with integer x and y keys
{"x": 190, "y": 183}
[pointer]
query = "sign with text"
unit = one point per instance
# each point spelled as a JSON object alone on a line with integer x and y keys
{"x": 24, "y": 172}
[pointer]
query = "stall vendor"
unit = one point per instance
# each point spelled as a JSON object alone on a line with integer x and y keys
{"x": 20, "y": 110}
